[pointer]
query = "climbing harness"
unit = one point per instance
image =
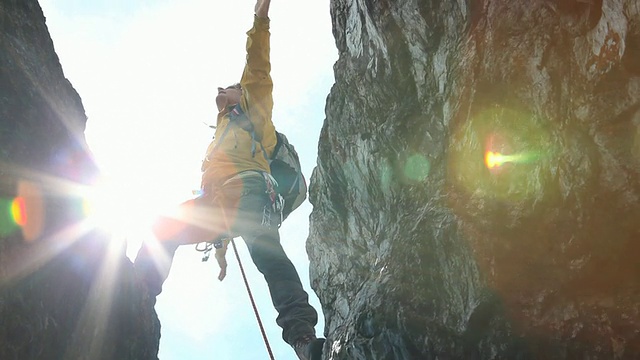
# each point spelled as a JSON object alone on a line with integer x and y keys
{"x": 277, "y": 201}
{"x": 208, "y": 246}
{"x": 206, "y": 251}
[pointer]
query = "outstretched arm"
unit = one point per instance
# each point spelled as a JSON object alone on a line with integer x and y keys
{"x": 257, "y": 86}
{"x": 262, "y": 8}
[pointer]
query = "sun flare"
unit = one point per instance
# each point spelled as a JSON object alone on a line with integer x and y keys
{"x": 112, "y": 206}
{"x": 124, "y": 212}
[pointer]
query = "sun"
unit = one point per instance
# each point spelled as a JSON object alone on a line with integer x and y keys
{"x": 115, "y": 207}
{"x": 126, "y": 212}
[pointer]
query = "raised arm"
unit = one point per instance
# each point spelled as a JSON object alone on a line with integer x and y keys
{"x": 256, "y": 82}
{"x": 262, "y": 8}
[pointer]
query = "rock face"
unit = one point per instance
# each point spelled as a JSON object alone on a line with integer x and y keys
{"x": 478, "y": 181}
{"x": 65, "y": 291}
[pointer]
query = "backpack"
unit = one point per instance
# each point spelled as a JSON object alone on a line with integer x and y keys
{"x": 285, "y": 169}
{"x": 284, "y": 164}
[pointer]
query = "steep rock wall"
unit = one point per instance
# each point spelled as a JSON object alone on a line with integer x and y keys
{"x": 66, "y": 292}
{"x": 422, "y": 244}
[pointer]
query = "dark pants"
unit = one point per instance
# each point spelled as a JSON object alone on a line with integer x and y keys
{"x": 241, "y": 207}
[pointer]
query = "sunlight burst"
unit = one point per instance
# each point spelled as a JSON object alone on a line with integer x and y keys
{"x": 111, "y": 207}
{"x": 114, "y": 207}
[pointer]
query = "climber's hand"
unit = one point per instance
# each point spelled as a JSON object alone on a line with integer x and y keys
{"x": 262, "y": 8}
{"x": 222, "y": 261}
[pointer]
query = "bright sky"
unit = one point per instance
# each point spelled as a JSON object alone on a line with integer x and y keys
{"x": 147, "y": 72}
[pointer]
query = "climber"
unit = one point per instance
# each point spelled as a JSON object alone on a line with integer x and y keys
{"x": 238, "y": 199}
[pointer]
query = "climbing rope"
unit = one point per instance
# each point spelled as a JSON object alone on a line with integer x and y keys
{"x": 253, "y": 303}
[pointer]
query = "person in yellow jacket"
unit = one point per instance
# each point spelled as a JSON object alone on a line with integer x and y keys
{"x": 238, "y": 197}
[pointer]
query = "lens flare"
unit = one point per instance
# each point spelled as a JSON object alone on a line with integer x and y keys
{"x": 18, "y": 211}
{"x": 7, "y": 222}
{"x": 502, "y": 154}
{"x": 417, "y": 167}
{"x": 28, "y": 210}
{"x": 495, "y": 159}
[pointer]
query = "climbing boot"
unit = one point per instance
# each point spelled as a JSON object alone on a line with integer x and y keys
{"x": 309, "y": 347}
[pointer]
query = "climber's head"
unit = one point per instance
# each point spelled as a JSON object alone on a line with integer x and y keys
{"x": 228, "y": 96}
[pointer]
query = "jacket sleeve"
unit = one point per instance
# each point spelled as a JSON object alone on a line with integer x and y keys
{"x": 257, "y": 86}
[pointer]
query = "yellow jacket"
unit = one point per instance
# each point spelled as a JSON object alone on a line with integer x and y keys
{"x": 234, "y": 154}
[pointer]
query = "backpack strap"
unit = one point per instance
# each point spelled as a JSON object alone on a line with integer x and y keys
{"x": 277, "y": 147}
{"x": 224, "y": 133}
{"x": 234, "y": 114}
{"x": 264, "y": 152}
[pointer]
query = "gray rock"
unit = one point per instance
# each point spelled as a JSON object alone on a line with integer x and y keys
{"x": 418, "y": 249}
